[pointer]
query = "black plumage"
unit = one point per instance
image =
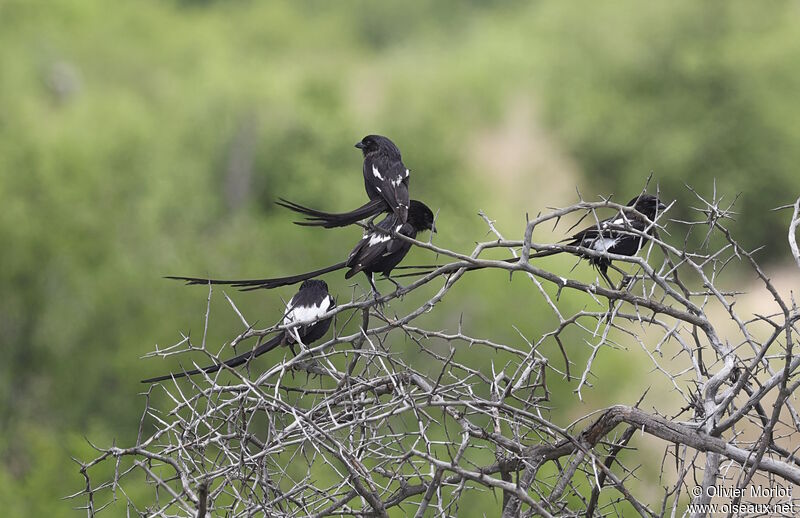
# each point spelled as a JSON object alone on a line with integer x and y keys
{"x": 310, "y": 302}
{"x": 377, "y": 252}
{"x": 611, "y": 235}
{"x": 385, "y": 180}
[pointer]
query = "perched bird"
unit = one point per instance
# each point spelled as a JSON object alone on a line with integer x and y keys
{"x": 377, "y": 252}
{"x": 612, "y": 235}
{"x": 386, "y": 183}
{"x": 310, "y": 303}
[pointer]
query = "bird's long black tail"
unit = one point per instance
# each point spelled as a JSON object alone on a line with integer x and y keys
{"x": 233, "y": 362}
{"x": 256, "y": 284}
{"x": 318, "y": 218}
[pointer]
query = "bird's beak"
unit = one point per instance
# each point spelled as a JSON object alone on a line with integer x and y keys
{"x": 359, "y": 145}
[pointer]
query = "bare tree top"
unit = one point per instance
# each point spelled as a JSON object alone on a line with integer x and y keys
{"x": 351, "y": 427}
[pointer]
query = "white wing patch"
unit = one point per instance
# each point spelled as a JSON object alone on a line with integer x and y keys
{"x": 303, "y": 314}
{"x": 603, "y": 244}
{"x": 616, "y": 223}
{"x": 376, "y": 173}
{"x": 375, "y": 238}
{"x": 407, "y": 173}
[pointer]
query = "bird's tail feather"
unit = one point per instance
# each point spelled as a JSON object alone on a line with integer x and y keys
{"x": 286, "y": 281}
{"x": 318, "y": 218}
{"x": 255, "y": 284}
{"x": 233, "y": 362}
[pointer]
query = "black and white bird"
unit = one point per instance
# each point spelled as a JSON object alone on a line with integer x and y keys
{"x": 612, "y": 236}
{"x": 377, "y": 252}
{"x": 385, "y": 180}
{"x": 311, "y": 302}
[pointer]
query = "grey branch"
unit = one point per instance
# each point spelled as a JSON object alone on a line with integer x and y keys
{"x": 354, "y": 427}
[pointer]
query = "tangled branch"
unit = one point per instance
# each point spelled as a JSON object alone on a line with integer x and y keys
{"x": 349, "y": 427}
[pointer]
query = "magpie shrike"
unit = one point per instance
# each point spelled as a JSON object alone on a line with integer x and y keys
{"x": 377, "y": 252}
{"x": 386, "y": 183}
{"x": 310, "y": 302}
{"x": 612, "y": 235}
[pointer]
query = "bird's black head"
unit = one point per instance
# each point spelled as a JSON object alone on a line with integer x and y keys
{"x": 314, "y": 284}
{"x": 648, "y": 205}
{"x": 420, "y": 216}
{"x": 378, "y": 143}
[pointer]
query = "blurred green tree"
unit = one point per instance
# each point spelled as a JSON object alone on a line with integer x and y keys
{"x": 150, "y": 139}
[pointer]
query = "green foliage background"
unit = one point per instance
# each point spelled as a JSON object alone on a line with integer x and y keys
{"x": 140, "y": 139}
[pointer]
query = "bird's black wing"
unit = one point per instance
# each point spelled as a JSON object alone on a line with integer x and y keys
{"x": 609, "y": 228}
{"x": 233, "y": 362}
{"x": 255, "y": 284}
{"x": 318, "y": 218}
{"x": 389, "y": 177}
{"x": 613, "y": 235}
{"x": 375, "y": 246}
{"x": 370, "y": 249}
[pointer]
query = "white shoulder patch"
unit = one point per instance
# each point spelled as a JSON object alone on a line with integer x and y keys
{"x": 376, "y": 173}
{"x": 619, "y": 222}
{"x": 307, "y": 313}
{"x": 603, "y": 244}
{"x": 375, "y": 238}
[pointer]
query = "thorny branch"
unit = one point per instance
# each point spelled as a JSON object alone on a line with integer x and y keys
{"x": 352, "y": 427}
